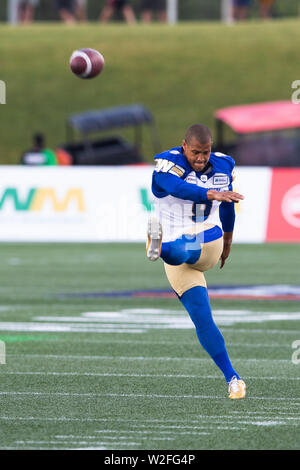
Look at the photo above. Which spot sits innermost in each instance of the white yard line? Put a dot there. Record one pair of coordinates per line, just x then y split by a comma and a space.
156, 431
69, 328
208, 419
182, 343
175, 376
140, 358
110, 438
153, 422
258, 345
139, 321
140, 395
265, 331
38, 447
76, 442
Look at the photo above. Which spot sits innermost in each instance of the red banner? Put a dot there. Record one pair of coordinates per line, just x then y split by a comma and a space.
284, 211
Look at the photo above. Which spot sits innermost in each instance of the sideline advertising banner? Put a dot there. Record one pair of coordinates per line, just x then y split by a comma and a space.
99, 204
284, 210
78, 204
252, 213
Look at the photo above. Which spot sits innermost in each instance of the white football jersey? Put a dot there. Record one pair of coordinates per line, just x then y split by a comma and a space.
181, 216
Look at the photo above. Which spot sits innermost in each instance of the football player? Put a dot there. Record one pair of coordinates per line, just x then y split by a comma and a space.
192, 230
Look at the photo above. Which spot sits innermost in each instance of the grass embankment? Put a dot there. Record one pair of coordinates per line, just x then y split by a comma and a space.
182, 73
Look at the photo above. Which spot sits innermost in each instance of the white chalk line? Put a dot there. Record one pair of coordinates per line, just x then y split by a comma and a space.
139, 321
169, 430
75, 442
259, 345
153, 422
110, 438
181, 343
141, 358
158, 318
256, 330
224, 329
129, 431
177, 343
217, 420
38, 447
139, 395
69, 328
175, 376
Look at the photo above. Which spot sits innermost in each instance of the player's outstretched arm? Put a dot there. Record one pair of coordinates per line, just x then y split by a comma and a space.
226, 196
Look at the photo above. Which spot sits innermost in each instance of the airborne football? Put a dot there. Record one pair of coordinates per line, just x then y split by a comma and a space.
86, 63
149, 227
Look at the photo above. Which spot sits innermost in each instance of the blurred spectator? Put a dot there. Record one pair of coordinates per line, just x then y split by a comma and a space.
39, 154
154, 6
122, 5
265, 8
66, 10
81, 10
26, 10
241, 9
63, 157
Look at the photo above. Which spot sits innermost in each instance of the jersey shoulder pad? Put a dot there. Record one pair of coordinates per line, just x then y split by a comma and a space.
224, 164
172, 161
222, 160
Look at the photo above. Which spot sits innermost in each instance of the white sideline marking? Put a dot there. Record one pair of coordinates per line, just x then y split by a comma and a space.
127, 431
111, 438
74, 443
155, 422
122, 358
173, 319
69, 328
204, 426
143, 358
224, 330
256, 330
140, 395
259, 345
176, 376
139, 321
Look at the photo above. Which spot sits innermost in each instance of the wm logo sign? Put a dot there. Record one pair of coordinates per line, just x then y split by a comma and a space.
37, 198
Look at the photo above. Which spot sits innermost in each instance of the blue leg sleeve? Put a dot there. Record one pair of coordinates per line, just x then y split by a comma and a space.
186, 249
197, 304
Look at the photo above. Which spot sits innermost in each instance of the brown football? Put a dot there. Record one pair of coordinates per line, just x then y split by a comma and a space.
86, 63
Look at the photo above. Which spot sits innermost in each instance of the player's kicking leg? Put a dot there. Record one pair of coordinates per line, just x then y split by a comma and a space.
190, 287
188, 282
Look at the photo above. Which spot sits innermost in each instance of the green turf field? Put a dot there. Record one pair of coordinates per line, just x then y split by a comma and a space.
181, 73
128, 373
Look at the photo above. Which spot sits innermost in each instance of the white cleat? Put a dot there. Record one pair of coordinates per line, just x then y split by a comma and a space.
236, 388
154, 239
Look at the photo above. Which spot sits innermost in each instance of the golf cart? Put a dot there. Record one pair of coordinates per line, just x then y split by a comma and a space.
265, 134
112, 150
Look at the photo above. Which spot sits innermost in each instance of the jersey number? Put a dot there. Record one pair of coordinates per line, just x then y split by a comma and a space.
201, 211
